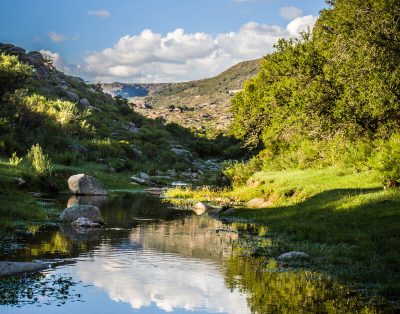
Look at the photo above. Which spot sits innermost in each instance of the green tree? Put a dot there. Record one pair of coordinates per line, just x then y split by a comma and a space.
13, 74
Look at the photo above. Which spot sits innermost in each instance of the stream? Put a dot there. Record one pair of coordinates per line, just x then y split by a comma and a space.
153, 258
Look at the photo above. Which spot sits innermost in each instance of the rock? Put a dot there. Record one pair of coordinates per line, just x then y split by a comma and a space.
82, 184
200, 208
228, 212
74, 212
71, 96
13, 268
292, 255
185, 154
258, 203
391, 184
139, 180
20, 182
215, 211
84, 102
81, 234
78, 148
85, 223
155, 191
180, 184
131, 127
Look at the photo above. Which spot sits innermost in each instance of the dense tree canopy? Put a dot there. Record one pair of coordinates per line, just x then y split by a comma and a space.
340, 81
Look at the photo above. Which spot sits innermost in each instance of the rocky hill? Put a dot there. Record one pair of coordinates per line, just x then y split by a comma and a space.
202, 105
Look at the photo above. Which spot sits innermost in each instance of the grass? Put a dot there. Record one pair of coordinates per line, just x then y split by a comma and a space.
345, 221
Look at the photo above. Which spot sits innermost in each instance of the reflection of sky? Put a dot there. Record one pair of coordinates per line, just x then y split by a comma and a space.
168, 282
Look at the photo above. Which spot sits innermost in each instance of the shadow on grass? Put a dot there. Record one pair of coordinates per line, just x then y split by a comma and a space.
358, 229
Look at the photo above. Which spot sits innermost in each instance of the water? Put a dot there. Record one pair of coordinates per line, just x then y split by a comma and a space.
152, 258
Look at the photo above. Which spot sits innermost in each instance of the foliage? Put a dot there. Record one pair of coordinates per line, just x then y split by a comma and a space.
15, 160
339, 84
41, 163
239, 172
387, 161
13, 74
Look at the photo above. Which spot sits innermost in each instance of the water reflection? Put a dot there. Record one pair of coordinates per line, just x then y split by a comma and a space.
151, 257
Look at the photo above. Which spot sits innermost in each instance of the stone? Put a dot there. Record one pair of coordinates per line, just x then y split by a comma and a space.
13, 268
292, 255
215, 211
258, 203
83, 222
74, 212
71, 96
139, 180
82, 184
84, 102
185, 154
200, 208
20, 182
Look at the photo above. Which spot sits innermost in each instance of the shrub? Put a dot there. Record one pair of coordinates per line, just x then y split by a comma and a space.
15, 160
239, 172
40, 162
387, 160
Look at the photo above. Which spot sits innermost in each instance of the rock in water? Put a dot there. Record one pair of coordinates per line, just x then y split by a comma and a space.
82, 184
200, 208
82, 211
292, 255
85, 223
12, 268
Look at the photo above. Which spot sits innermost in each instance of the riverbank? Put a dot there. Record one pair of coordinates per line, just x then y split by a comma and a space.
20, 186
346, 222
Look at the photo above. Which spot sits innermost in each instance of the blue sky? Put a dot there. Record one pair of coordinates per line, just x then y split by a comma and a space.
104, 39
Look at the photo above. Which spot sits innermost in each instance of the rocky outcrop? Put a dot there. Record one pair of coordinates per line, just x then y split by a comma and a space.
143, 179
13, 268
292, 255
82, 184
84, 102
90, 212
71, 96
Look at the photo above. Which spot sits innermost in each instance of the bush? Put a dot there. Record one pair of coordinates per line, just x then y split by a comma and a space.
239, 172
40, 162
387, 160
15, 160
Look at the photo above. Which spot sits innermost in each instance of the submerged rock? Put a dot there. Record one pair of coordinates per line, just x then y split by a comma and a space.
292, 255
83, 184
90, 212
12, 268
85, 223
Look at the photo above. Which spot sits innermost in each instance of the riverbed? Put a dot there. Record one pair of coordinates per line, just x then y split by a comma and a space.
151, 257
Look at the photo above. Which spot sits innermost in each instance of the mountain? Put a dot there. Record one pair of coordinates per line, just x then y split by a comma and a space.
202, 105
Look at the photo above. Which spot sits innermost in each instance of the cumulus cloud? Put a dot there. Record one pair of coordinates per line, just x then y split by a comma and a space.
290, 13
100, 13
301, 24
58, 37
180, 56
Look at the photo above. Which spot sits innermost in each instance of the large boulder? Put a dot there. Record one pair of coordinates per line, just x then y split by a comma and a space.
90, 212
82, 184
71, 96
200, 208
83, 222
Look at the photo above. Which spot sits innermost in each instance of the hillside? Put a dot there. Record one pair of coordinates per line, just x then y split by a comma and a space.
201, 105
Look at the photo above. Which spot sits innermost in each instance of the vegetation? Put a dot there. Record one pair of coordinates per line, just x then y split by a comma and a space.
334, 92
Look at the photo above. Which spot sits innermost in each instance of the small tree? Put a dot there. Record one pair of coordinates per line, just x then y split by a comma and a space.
40, 162
13, 74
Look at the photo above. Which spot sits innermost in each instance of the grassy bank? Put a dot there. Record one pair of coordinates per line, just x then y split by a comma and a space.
347, 223
18, 206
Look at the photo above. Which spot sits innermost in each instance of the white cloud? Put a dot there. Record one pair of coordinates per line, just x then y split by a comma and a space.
290, 13
100, 13
301, 24
58, 38
179, 56
60, 63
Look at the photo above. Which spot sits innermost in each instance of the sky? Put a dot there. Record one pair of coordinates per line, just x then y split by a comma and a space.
147, 41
